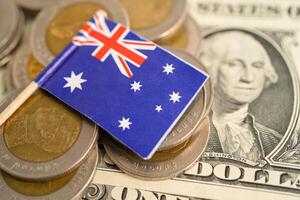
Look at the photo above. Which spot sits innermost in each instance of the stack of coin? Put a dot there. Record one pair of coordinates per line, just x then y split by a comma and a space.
181, 148
47, 150
51, 31
42, 149
11, 27
165, 22
23, 68
55, 26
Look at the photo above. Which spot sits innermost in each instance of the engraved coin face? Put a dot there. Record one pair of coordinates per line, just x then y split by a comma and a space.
155, 19
159, 169
66, 24
188, 37
44, 139
55, 26
42, 129
67, 187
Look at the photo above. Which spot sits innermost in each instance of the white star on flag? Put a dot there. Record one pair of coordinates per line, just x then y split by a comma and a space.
74, 81
175, 97
158, 108
168, 68
125, 123
136, 86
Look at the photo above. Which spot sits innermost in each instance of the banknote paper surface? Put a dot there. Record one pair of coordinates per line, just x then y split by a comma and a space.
252, 51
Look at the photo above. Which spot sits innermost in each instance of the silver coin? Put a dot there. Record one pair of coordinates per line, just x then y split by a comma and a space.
8, 21
70, 160
167, 26
34, 4
161, 169
4, 54
71, 190
38, 40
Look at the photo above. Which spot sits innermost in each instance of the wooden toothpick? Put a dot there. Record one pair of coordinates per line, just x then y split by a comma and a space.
18, 101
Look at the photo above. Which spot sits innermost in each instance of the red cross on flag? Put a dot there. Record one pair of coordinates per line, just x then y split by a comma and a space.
96, 33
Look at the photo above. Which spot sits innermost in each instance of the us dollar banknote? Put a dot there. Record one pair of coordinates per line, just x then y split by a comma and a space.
252, 52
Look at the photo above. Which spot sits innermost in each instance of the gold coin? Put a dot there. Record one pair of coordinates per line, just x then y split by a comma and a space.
33, 68
40, 188
178, 40
147, 13
66, 24
42, 129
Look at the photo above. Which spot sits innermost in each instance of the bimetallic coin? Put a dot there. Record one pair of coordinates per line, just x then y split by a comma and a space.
159, 169
71, 186
208, 88
155, 19
55, 26
44, 139
25, 67
187, 123
188, 37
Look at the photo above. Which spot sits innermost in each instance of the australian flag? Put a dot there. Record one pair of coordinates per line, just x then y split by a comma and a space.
132, 88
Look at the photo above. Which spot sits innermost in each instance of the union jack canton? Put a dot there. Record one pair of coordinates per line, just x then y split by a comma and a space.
132, 88
113, 43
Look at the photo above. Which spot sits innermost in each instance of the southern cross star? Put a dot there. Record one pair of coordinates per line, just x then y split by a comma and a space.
74, 81
175, 97
136, 86
158, 108
125, 123
168, 69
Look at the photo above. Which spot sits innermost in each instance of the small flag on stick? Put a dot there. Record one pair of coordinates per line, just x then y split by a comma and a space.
132, 88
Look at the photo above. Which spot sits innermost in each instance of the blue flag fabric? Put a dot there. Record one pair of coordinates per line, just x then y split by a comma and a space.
132, 88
